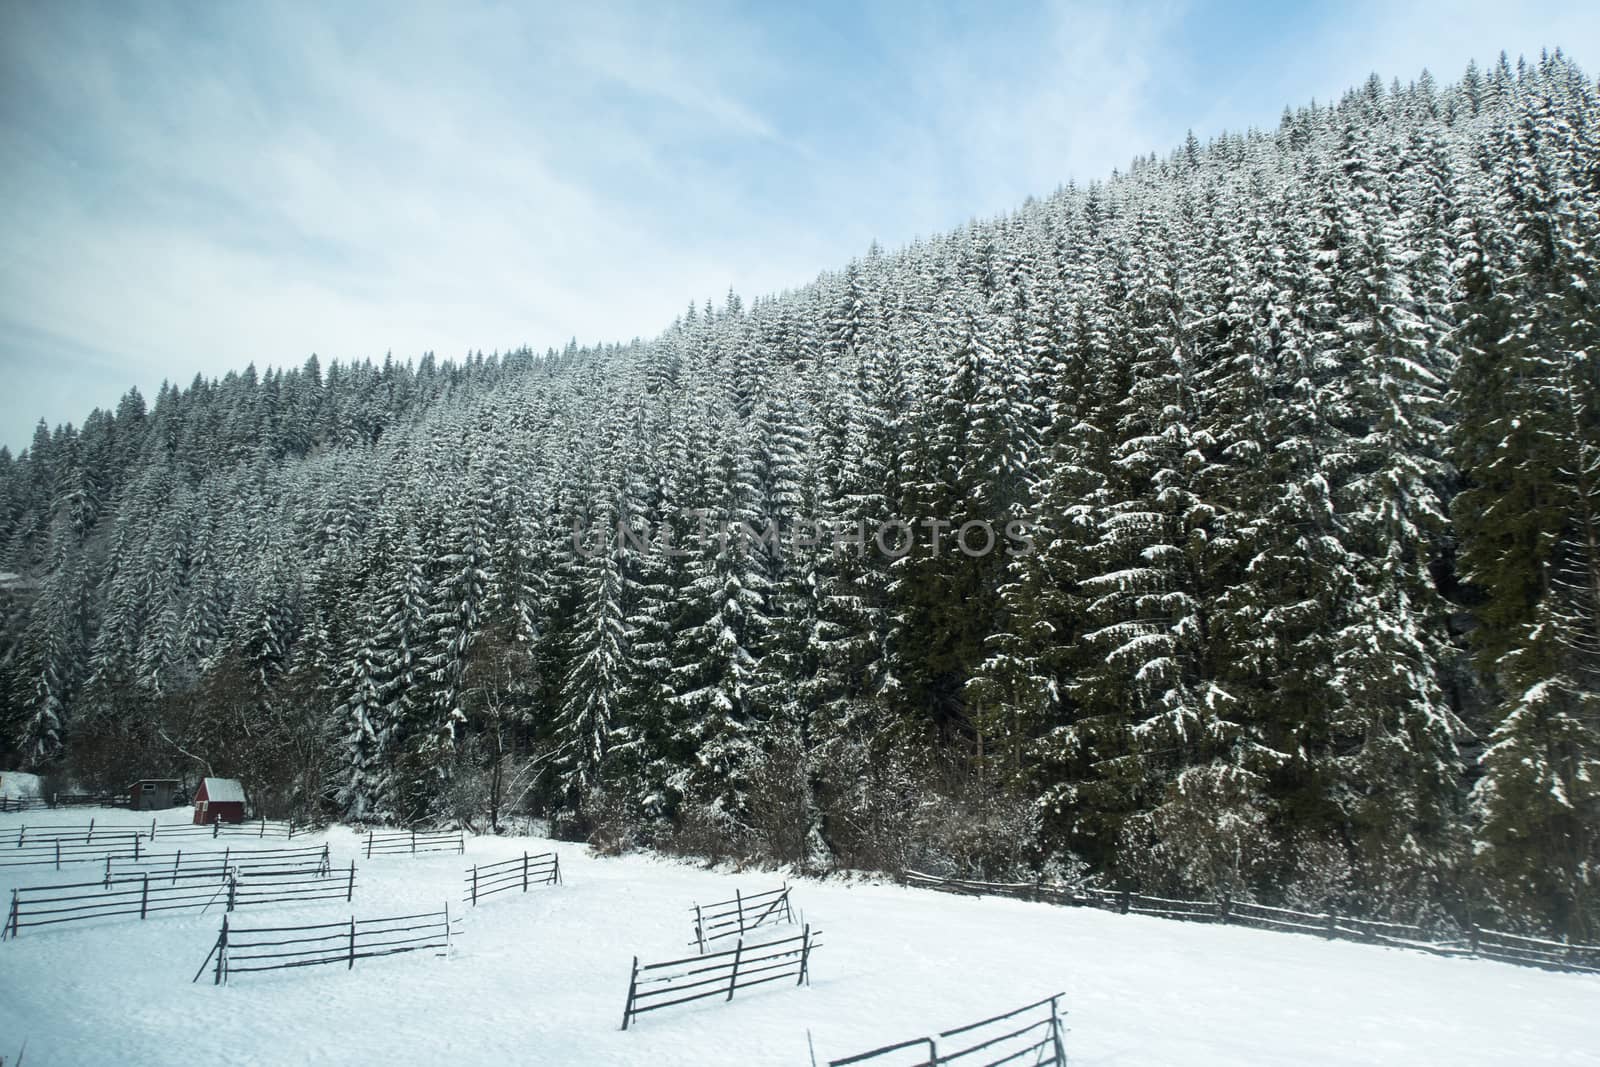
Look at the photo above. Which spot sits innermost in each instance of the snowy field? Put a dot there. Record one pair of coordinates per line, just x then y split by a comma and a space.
541, 979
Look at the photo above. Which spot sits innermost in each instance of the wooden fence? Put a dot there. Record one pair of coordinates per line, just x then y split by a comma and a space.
56, 852
1001, 1039
87, 833
737, 917
718, 974
79, 833
294, 887
50, 905
276, 948
219, 862
257, 828
1476, 942
487, 879
63, 800
89, 800
410, 842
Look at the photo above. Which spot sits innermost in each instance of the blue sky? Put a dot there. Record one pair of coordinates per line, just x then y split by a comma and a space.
192, 187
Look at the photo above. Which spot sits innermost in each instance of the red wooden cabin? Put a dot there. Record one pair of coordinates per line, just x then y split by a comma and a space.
218, 798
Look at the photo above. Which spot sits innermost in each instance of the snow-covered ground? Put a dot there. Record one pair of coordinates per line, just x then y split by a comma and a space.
541, 978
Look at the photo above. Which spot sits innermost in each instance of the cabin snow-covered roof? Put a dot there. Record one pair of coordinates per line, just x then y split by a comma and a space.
16, 784
223, 790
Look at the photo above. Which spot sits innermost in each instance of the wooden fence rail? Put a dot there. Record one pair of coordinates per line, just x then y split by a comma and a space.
737, 917
487, 879
1478, 942
718, 974
22, 803
276, 948
410, 842
50, 905
1038, 1042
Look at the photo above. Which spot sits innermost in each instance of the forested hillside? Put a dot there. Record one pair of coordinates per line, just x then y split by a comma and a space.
1304, 421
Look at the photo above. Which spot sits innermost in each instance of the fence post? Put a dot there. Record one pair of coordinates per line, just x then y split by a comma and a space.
352, 962
1123, 902
558, 868
1472, 937
11, 917
633, 985
144, 897
177, 860
22, 835
1055, 1035
222, 953
805, 957
58, 854
788, 912
152, 829
216, 826
369, 844
350, 888
933, 1053
233, 889
325, 868
738, 900
136, 848
1330, 924
447, 923
700, 929
475, 884
413, 842
524, 870
733, 978
263, 833
1222, 909
91, 832
108, 872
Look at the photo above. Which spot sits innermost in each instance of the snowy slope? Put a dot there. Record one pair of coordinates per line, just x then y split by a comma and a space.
540, 978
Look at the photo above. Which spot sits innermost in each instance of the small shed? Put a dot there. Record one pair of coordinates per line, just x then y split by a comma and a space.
218, 799
154, 794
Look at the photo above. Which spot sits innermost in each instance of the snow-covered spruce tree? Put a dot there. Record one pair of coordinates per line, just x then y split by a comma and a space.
1399, 769
461, 579
1527, 391
594, 692
54, 650
715, 649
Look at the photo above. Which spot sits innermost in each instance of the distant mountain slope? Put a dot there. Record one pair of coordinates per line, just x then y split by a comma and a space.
1305, 422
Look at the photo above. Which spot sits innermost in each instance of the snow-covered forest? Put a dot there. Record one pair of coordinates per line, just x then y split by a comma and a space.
1304, 420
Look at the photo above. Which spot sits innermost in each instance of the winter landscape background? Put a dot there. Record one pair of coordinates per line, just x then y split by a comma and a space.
1304, 421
